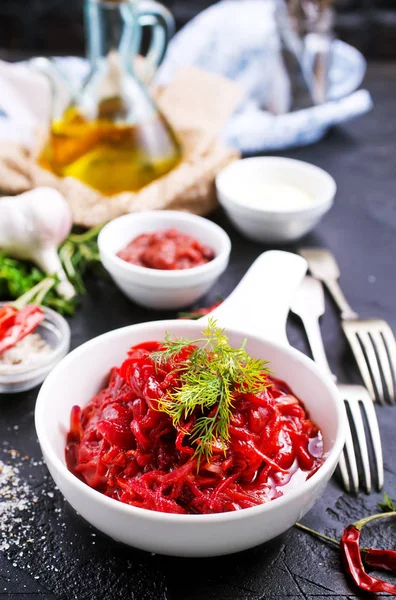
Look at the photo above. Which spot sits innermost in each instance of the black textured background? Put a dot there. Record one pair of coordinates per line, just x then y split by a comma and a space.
55, 26
64, 558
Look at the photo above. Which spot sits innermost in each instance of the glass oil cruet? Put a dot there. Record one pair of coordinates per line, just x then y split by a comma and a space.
111, 136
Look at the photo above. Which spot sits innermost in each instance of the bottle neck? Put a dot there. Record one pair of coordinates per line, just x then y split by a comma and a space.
110, 27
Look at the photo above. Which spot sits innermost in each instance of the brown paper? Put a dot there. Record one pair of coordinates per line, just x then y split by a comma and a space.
197, 104
199, 99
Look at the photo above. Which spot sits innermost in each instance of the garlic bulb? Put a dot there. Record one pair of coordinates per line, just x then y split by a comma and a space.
33, 226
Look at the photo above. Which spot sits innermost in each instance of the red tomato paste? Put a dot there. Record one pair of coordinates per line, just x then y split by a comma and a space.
123, 446
166, 250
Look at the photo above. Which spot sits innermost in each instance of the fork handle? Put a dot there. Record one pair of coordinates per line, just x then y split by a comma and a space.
312, 330
347, 314
324, 267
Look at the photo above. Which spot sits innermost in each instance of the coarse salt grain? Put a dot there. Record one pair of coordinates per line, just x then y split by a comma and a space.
29, 351
15, 497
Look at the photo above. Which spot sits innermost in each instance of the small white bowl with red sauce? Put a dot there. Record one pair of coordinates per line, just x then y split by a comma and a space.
255, 312
172, 286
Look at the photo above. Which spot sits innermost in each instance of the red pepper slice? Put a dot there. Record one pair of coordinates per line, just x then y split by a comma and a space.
18, 326
7, 316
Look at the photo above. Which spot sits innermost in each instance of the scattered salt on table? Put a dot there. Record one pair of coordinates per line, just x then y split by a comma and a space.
15, 497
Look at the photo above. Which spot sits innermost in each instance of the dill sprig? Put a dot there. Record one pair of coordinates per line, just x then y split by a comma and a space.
209, 379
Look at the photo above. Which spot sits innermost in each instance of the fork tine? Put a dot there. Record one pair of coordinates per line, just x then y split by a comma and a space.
390, 344
373, 428
344, 472
361, 441
384, 362
372, 363
360, 359
349, 452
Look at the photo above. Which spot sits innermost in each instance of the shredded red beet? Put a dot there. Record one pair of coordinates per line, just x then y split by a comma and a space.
123, 446
166, 250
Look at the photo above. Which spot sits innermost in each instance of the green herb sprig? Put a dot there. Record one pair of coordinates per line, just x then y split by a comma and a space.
387, 505
209, 379
78, 253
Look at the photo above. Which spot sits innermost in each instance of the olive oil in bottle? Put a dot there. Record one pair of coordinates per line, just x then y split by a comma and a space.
112, 137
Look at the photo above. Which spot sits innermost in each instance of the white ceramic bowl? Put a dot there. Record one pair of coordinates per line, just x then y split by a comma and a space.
154, 288
83, 372
274, 226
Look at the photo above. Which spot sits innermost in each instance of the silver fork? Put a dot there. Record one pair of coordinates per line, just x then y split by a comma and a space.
309, 305
372, 340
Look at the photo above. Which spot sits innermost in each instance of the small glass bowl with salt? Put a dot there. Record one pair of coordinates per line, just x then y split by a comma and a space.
26, 365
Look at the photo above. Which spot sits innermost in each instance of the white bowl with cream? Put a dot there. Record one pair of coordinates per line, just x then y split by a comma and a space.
274, 200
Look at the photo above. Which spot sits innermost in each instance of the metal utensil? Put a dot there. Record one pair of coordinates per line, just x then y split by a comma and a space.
298, 90
372, 340
309, 305
305, 30
317, 61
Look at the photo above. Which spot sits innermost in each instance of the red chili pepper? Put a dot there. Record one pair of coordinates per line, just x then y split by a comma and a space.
352, 558
17, 324
380, 559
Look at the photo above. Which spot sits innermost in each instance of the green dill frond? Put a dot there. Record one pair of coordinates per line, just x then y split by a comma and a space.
209, 380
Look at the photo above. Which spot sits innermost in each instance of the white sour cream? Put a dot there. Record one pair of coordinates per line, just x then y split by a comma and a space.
278, 197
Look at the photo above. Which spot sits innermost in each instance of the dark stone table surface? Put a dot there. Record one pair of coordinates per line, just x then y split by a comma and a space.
57, 555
